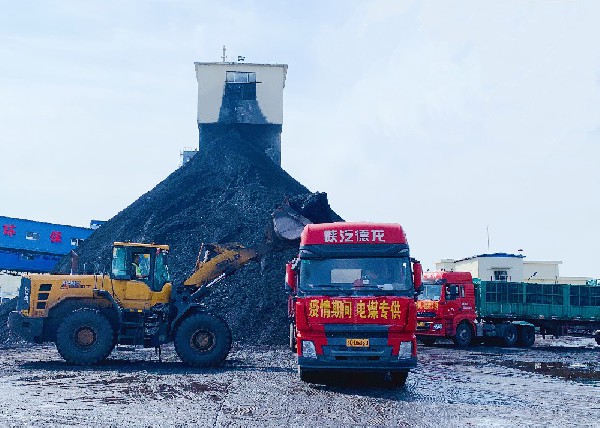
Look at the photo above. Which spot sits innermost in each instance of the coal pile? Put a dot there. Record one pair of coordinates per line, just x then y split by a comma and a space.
226, 193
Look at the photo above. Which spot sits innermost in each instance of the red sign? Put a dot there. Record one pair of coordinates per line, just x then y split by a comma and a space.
367, 310
353, 233
10, 230
56, 237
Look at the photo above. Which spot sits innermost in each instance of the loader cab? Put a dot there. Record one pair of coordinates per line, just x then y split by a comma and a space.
143, 263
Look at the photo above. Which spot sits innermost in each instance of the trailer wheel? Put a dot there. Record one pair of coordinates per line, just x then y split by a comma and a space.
526, 336
398, 378
293, 338
509, 338
463, 335
203, 340
85, 337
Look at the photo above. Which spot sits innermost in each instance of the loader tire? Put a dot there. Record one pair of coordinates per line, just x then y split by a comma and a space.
85, 337
203, 340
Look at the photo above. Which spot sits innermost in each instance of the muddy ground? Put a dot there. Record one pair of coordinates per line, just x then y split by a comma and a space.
556, 383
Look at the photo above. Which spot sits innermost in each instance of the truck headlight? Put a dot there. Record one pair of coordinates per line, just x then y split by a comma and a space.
437, 326
405, 350
308, 349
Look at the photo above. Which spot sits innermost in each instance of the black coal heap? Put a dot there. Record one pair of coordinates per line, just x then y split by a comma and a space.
226, 193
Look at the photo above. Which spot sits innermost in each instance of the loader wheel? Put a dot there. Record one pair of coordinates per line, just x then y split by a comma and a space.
526, 337
203, 340
85, 337
463, 335
509, 338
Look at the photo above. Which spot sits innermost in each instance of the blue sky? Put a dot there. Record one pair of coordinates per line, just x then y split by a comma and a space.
446, 116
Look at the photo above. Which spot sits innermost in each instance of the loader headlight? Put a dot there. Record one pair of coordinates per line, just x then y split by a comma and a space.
437, 326
308, 349
405, 350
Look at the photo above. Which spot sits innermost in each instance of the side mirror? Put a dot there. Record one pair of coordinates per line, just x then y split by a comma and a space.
291, 277
417, 275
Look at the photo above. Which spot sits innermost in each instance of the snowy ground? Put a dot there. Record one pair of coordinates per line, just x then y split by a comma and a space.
556, 383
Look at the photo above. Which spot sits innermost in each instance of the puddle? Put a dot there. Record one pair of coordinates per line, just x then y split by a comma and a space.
572, 371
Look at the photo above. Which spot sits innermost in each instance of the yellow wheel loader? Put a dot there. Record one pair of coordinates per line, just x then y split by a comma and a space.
86, 316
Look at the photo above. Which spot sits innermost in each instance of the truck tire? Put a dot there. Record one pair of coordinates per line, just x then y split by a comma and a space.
526, 337
85, 337
427, 341
203, 340
398, 378
509, 338
293, 338
463, 335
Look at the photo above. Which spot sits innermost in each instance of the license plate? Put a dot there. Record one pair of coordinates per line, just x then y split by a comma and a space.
357, 343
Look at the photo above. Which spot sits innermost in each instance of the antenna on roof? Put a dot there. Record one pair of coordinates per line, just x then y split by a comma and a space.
487, 228
224, 57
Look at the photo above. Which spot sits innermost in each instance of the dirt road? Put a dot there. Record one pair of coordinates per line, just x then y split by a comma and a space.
556, 383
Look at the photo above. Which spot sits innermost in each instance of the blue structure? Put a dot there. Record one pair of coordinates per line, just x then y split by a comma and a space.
33, 246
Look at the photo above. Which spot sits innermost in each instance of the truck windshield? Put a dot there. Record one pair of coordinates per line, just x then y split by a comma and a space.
356, 276
430, 291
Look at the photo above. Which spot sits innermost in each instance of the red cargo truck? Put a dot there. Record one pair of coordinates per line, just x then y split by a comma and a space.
352, 300
452, 305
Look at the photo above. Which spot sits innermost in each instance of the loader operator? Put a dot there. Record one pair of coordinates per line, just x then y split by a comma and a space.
135, 267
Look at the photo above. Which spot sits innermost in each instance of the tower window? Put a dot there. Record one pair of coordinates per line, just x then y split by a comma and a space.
240, 77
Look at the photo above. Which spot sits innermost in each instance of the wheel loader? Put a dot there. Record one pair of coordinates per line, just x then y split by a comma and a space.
136, 304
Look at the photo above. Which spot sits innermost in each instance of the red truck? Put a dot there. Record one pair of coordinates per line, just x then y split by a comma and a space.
455, 306
351, 300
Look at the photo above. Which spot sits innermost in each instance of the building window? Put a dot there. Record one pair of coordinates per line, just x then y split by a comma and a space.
501, 275
32, 236
240, 77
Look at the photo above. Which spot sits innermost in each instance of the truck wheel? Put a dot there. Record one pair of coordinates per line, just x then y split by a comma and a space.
398, 378
509, 338
203, 340
293, 338
427, 341
526, 337
308, 376
85, 337
463, 335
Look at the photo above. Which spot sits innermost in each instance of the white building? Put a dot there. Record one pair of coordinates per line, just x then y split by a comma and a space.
509, 267
244, 97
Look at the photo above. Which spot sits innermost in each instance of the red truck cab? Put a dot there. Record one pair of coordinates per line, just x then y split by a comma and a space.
446, 308
352, 300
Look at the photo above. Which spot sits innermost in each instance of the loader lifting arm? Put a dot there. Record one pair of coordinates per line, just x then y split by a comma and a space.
216, 262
